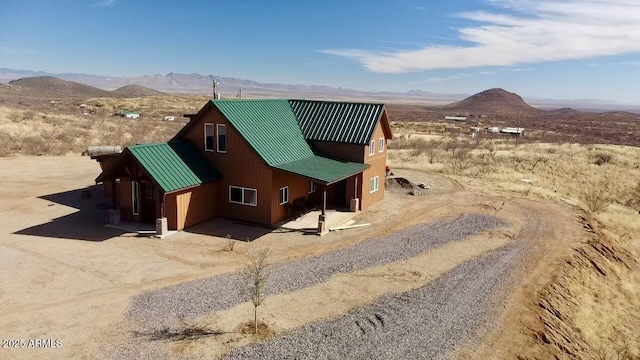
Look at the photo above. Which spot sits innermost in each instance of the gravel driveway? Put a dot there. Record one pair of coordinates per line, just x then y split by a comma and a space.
426, 323
158, 308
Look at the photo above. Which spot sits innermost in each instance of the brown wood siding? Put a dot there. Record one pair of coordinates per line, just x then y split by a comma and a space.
377, 162
239, 166
298, 187
191, 206
348, 152
126, 210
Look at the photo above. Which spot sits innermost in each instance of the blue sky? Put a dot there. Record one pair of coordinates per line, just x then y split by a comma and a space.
566, 49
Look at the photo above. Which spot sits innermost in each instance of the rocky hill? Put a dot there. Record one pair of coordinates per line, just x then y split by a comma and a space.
52, 86
493, 100
136, 91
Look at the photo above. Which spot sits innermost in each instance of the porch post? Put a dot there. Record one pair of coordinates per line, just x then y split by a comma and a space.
324, 199
322, 220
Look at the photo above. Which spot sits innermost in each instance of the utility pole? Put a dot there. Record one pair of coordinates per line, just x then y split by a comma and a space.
518, 128
215, 90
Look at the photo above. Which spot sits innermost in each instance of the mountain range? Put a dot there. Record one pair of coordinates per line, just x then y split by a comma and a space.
194, 83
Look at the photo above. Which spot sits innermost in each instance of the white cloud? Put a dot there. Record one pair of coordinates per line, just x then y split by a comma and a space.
449, 78
534, 31
105, 3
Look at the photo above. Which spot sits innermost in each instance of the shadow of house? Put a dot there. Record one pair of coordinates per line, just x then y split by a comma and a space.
86, 224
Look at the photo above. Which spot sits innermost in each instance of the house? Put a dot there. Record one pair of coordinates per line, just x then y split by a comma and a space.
455, 118
128, 114
257, 161
513, 131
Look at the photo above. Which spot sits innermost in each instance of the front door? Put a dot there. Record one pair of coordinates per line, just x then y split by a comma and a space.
148, 200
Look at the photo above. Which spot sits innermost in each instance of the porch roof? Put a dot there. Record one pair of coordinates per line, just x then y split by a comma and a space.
172, 166
322, 169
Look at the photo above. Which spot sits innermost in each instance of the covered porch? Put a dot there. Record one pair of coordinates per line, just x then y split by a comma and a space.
153, 183
338, 187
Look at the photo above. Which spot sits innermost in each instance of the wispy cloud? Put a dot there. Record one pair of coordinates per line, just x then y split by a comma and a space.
535, 31
105, 3
449, 78
421, 8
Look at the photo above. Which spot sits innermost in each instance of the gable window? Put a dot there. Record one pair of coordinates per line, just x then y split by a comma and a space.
222, 137
374, 184
208, 137
381, 145
372, 147
284, 195
243, 196
135, 197
312, 187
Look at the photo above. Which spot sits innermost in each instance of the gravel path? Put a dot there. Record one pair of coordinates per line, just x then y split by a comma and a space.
158, 308
426, 323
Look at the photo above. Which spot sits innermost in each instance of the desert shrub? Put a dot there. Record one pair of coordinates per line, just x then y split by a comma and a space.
633, 199
6, 141
28, 115
14, 116
460, 162
595, 198
601, 158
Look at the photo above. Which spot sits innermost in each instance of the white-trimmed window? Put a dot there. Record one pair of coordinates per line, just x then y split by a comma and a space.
381, 145
209, 134
284, 195
312, 187
243, 196
135, 197
221, 129
372, 147
374, 184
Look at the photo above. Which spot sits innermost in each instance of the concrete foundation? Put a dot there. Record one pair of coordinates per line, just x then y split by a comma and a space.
322, 225
114, 217
162, 228
354, 206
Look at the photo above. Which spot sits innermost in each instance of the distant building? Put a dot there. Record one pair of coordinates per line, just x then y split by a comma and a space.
513, 131
128, 114
493, 129
169, 118
455, 118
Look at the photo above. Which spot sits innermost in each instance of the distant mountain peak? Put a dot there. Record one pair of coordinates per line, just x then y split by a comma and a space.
492, 100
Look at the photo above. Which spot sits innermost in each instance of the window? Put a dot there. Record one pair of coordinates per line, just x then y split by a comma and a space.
135, 197
381, 145
284, 195
243, 196
372, 147
373, 185
312, 187
222, 137
208, 137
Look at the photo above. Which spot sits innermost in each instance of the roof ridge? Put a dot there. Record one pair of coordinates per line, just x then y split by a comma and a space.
247, 100
148, 144
339, 102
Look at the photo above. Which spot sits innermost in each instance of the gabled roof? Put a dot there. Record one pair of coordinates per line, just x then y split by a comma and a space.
269, 126
172, 166
343, 122
323, 169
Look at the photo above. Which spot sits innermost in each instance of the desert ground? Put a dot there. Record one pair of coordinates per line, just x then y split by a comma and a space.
521, 248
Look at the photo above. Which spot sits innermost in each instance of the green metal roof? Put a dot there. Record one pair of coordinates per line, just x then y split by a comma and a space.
175, 165
269, 126
322, 169
352, 123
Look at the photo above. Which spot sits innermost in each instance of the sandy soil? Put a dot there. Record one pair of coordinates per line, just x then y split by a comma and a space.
64, 276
